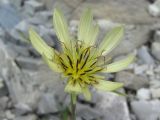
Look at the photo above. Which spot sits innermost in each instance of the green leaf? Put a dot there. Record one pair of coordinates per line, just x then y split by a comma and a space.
111, 40
119, 65
40, 45
108, 85
61, 27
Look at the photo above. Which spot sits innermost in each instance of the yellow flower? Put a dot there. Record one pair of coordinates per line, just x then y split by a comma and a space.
80, 60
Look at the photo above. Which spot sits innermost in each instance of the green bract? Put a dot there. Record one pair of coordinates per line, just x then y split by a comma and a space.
80, 60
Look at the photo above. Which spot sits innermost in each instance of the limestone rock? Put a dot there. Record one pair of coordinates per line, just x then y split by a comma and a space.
146, 110
132, 81
156, 50
109, 104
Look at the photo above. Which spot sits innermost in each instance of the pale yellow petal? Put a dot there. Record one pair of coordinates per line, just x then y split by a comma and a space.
92, 37
111, 40
108, 85
61, 28
51, 64
73, 87
85, 28
40, 45
119, 65
86, 93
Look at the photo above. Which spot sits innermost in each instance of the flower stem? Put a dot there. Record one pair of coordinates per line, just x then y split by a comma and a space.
73, 106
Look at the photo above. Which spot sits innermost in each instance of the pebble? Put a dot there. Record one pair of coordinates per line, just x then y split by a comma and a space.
28, 63
47, 104
9, 114
154, 9
154, 83
144, 94
110, 103
155, 48
155, 93
146, 110
144, 54
157, 36
132, 81
3, 102
140, 69
27, 117
32, 6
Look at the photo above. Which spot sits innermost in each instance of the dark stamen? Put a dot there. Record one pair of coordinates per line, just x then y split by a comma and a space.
82, 73
77, 66
70, 62
88, 70
69, 74
85, 62
93, 63
80, 58
63, 65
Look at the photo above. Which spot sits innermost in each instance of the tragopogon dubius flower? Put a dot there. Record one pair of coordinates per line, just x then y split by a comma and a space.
80, 60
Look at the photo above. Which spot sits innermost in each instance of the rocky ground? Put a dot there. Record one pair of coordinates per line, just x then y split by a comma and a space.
30, 91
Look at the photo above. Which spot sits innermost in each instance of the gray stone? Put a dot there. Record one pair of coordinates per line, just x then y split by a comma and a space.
51, 117
2, 33
155, 84
144, 54
20, 31
67, 10
146, 110
124, 11
155, 93
156, 50
28, 63
154, 9
140, 69
74, 3
2, 114
150, 70
17, 3
5, 2
157, 36
48, 35
41, 18
44, 15
144, 94
49, 4
27, 117
22, 108
3, 102
132, 81
9, 114
22, 86
133, 38
17, 50
88, 113
1, 83
112, 106
9, 16
32, 6
157, 69
47, 104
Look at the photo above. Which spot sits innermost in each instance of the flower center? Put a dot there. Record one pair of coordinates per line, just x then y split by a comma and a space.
80, 65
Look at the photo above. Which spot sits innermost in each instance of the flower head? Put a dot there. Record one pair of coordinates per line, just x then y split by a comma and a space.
80, 60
